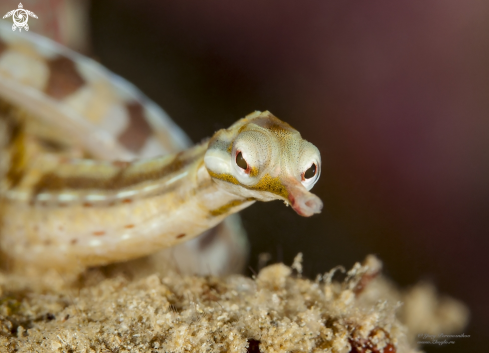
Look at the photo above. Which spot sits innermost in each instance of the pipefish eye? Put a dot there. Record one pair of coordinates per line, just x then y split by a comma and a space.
311, 172
310, 175
309, 166
241, 162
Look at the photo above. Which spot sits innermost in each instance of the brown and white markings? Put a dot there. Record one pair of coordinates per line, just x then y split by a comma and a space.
67, 213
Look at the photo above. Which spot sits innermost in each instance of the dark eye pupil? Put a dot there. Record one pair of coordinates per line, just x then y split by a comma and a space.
240, 161
310, 172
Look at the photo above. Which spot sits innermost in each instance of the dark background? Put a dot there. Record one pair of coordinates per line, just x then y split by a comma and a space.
395, 94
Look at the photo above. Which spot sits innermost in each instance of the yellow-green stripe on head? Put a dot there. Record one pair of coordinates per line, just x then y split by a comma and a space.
261, 157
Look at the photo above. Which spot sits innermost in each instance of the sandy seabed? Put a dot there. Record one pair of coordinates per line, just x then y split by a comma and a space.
277, 311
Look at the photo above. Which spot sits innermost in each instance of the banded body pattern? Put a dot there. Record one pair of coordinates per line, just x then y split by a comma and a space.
102, 212
57, 211
61, 210
109, 117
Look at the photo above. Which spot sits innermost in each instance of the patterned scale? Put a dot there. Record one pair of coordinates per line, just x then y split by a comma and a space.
54, 100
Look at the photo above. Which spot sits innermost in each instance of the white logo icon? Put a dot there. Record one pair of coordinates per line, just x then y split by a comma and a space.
20, 17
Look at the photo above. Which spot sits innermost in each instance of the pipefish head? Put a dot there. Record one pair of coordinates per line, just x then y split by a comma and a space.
264, 158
